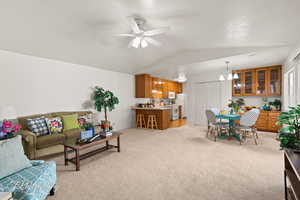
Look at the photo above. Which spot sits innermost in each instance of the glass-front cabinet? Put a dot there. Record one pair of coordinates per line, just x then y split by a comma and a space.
261, 82
237, 85
249, 82
264, 81
274, 86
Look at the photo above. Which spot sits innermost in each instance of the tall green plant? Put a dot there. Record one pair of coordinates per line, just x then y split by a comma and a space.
104, 100
290, 133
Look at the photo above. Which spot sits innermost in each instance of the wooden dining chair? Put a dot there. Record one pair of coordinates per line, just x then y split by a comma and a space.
247, 125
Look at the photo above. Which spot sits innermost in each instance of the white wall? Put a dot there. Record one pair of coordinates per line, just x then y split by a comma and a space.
36, 85
288, 65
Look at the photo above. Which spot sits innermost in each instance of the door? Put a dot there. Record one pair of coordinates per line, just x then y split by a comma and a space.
237, 85
205, 96
249, 83
261, 82
274, 85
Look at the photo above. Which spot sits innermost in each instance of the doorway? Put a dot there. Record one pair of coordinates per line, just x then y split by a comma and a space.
206, 95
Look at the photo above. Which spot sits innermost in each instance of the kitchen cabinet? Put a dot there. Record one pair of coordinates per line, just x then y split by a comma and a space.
237, 85
267, 121
249, 83
274, 85
143, 86
264, 81
157, 88
153, 87
261, 82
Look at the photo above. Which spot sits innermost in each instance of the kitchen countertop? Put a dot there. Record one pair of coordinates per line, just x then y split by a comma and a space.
156, 108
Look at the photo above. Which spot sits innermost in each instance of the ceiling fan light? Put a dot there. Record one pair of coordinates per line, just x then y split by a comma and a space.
235, 76
221, 78
144, 43
136, 42
229, 77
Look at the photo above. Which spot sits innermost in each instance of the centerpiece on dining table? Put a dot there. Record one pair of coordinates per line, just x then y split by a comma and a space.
235, 105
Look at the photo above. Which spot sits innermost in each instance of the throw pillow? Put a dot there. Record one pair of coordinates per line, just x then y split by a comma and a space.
12, 156
38, 126
54, 125
84, 119
70, 122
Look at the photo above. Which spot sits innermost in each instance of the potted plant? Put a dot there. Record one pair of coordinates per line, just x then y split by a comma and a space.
104, 100
289, 135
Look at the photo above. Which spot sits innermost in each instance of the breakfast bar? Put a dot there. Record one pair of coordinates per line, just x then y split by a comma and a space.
162, 115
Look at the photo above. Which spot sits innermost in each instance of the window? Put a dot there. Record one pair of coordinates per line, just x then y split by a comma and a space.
290, 86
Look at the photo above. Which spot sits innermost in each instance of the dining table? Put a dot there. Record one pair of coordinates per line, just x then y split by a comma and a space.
231, 131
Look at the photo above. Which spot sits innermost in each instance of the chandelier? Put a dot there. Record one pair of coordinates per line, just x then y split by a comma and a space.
229, 75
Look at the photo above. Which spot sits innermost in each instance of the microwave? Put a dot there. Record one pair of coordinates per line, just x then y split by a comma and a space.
171, 95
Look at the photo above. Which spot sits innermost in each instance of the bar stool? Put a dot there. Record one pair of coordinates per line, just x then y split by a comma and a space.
140, 121
152, 122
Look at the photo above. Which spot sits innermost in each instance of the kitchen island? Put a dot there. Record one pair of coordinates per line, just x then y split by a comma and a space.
163, 115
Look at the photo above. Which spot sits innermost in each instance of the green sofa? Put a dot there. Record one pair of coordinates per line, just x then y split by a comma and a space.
33, 143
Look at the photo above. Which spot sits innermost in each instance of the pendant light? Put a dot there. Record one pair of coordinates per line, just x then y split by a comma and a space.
230, 76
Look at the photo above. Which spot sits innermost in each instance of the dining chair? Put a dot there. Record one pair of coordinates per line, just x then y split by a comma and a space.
247, 125
213, 126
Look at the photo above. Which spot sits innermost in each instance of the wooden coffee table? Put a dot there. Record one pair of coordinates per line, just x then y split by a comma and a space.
71, 144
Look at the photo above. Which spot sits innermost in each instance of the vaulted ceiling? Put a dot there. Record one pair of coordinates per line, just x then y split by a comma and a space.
83, 32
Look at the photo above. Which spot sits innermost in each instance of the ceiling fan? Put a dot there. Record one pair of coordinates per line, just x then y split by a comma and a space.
141, 37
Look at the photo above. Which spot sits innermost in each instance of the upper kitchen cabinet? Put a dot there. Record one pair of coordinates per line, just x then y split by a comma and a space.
237, 84
264, 81
152, 87
249, 83
274, 86
143, 86
157, 88
261, 82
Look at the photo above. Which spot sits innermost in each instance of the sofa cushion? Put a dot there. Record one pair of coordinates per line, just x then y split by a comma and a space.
73, 133
70, 121
54, 125
38, 126
31, 183
12, 158
49, 140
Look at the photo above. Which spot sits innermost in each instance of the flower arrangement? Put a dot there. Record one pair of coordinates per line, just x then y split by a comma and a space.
7, 129
236, 105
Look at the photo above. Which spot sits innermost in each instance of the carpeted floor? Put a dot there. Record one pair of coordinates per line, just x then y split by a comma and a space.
176, 164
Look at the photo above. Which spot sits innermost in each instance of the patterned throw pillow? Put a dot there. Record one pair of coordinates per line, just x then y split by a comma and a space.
54, 125
38, 126
84, 119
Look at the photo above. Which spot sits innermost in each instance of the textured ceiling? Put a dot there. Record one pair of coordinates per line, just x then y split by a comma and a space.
83, 32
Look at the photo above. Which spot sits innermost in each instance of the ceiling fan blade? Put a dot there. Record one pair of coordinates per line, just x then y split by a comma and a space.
126, 35
156, 31
135, 28
130, 43
152, 41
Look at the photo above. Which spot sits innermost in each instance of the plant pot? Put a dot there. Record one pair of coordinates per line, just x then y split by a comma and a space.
105, 124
